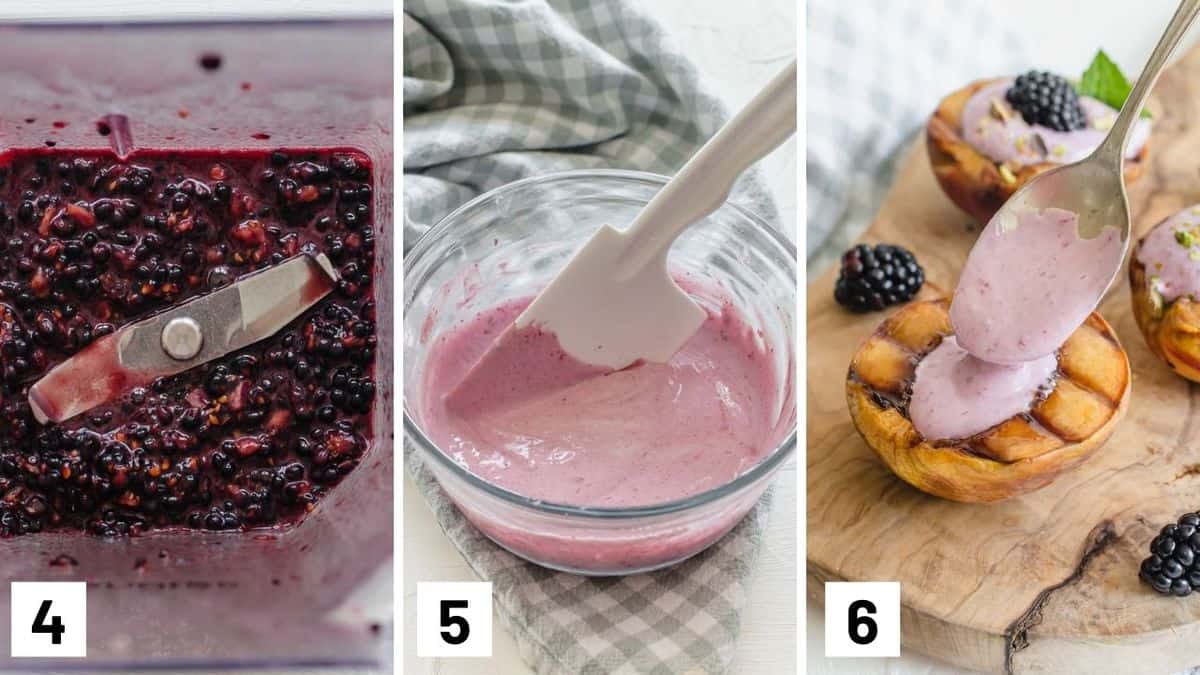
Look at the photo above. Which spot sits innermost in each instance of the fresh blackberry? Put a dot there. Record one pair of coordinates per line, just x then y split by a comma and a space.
874, 277
1173, 567
1047, 99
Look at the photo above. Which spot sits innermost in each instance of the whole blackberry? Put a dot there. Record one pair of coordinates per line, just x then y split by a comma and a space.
1173, 567
873, 278
1047, 99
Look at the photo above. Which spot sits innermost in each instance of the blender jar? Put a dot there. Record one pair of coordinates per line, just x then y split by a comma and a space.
317, 592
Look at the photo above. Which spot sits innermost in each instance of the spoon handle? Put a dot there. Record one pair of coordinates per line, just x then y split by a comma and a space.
1113, 146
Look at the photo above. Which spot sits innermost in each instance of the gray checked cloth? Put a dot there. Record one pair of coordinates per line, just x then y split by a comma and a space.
876, 70
497, 91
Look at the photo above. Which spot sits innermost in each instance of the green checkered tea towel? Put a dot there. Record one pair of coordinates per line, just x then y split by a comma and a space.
498, 91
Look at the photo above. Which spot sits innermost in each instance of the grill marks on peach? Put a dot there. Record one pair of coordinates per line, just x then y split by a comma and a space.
1093, 377
884, 365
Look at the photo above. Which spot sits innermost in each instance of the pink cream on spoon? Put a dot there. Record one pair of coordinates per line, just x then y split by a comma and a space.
1029, 282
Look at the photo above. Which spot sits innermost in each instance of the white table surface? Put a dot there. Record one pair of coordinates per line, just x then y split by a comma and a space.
738, 52
1064, 36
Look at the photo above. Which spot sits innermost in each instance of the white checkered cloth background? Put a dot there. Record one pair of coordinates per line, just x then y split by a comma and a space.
497, 91
876, 70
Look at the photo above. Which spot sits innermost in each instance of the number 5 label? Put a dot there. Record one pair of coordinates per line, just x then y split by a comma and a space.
454, 618
862, 618
49, 619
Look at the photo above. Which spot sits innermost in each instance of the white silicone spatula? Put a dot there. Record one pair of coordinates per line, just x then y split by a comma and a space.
615, 302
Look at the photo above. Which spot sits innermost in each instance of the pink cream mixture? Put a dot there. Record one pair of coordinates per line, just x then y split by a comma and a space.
651, 433
1028, 283
1171, 255
1006, 137
956, 395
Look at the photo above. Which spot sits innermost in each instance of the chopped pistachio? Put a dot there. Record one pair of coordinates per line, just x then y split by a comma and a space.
1154, 295
998, 110
1184, 238
1019, 144
1039, 144
1060, 150
1007, 175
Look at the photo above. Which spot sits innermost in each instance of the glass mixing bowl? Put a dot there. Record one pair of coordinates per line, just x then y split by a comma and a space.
509, 243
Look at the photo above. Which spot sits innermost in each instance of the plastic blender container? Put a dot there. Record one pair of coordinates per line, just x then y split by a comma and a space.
313, 594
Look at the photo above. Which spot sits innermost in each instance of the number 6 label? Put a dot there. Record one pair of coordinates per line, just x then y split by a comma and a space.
454, 618
49, 619
862, 619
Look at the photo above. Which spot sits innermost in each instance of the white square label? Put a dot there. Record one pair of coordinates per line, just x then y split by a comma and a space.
862, 618
49, 619
454, 618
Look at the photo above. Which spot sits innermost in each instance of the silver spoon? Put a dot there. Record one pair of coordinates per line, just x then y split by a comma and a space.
1094, 190
1089, 187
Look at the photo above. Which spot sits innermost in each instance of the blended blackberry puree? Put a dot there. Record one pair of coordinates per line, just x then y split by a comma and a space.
90, 243
140, 169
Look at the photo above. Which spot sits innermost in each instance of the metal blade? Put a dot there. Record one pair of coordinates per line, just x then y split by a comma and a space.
254, 307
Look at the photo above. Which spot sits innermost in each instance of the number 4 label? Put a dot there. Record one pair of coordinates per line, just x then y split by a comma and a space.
454, 618
862, 618
49, 619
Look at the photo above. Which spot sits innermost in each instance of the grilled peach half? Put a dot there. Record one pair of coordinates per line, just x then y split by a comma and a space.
1171, 328
1025, 452
972, 180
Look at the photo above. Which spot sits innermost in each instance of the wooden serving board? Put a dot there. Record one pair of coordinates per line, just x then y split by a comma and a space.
1046, 582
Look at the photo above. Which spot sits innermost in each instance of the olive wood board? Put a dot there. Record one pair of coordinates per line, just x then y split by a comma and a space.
1045, 582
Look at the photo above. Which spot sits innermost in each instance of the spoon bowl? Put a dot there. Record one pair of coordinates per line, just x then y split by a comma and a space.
1094, 187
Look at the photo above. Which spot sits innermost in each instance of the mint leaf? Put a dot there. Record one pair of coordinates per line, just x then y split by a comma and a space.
1104, 81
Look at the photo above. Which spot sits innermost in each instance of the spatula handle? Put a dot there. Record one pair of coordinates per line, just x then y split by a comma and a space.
704, 182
